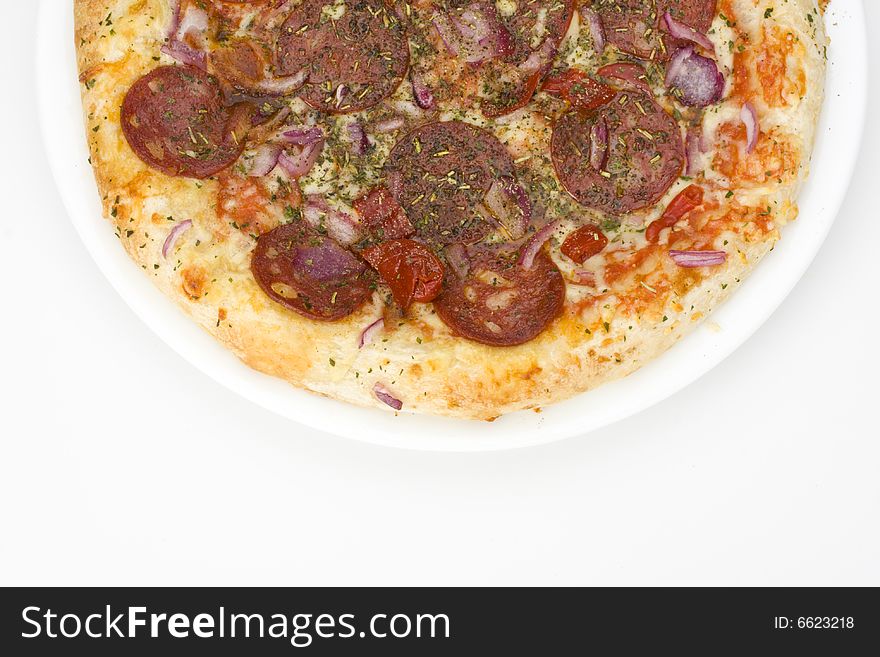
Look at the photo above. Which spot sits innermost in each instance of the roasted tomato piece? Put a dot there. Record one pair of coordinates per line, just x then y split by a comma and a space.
579, 89
383, 215
686, 200
410, 269
584, 243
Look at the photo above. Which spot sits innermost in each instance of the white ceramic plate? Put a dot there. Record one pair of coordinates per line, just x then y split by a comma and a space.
835, 155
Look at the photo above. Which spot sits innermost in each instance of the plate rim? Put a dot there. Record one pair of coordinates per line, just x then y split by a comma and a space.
424, 432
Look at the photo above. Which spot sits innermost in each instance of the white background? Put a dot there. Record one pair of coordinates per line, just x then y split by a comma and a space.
122, 464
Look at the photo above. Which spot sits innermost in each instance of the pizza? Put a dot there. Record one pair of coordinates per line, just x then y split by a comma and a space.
455, 207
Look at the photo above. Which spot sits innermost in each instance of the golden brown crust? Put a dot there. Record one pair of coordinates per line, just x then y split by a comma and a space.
644, 306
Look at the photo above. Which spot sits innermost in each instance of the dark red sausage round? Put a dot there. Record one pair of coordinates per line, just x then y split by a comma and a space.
643, 157
353, 62
498, 302
175, 120
636, 26
440, 173
310, 273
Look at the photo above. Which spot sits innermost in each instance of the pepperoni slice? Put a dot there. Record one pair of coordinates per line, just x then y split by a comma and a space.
499, 303
175, 121
634, 26
440, 173
643, 155
310, 273
410, 269
356, 53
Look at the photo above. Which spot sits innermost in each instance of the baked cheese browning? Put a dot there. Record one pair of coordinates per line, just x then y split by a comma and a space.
316, 230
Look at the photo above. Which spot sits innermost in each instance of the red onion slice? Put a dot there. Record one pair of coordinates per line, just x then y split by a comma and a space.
599, 144
458, 258
691, 259
175, 233
582, 277
472, 24
389, 125
476, 34
192, 23
408, 108
499, 40
174, 5
597, 30
516, 192
694, 151
299, 165
485, 36
357, 138
696, 79
270, 115
676, 62
384, 395
681, 31
749, 116
509, 204
446, 30
421, 91
370, 333
539, 58
282, 86
339, 225
531, 249
341, 93
261, 160
302, 135
186, 54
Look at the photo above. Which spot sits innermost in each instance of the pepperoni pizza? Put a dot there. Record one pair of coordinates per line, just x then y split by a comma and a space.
459, 207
